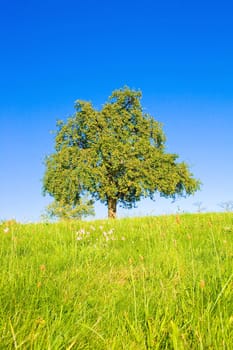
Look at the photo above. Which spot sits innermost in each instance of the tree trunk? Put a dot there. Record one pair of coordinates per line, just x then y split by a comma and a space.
112, 208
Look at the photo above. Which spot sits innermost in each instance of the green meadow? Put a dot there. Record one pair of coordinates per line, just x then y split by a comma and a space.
137, 283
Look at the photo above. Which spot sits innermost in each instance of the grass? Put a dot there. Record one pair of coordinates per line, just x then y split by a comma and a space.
144, 283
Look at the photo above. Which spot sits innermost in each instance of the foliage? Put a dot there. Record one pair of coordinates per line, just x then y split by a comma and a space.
227, 206
117, 154
143, 283
199, 206
65, 211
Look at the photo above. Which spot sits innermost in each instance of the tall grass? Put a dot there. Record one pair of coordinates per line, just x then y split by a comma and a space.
144, 283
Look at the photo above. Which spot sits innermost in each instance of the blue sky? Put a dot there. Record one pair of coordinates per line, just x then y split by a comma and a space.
178, 53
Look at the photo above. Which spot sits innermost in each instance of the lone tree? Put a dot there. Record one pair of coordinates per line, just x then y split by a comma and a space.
116, 154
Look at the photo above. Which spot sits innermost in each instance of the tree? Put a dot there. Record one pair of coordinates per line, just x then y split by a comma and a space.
64, 211
227, 206
199, 206
117, 154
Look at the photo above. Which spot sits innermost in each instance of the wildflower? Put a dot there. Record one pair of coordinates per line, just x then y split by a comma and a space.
202, 284
40, 321
178, 221
123, 238
42, 268
130, 261
6, 229
81, 234
107, 235
81, 231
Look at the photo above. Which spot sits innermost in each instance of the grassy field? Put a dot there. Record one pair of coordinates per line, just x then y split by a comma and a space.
143, 283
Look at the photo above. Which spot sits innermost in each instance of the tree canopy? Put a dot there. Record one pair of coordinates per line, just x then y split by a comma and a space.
64, 211
116, 154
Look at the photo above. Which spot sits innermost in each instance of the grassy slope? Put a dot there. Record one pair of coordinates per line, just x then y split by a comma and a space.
144, 283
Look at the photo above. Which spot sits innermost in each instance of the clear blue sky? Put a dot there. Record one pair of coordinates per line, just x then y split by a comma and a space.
179, 53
